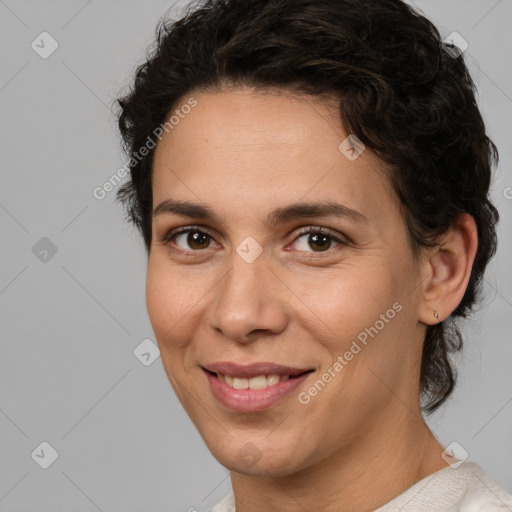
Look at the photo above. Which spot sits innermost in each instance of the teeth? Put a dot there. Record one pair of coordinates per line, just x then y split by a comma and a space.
259, 382
240, 383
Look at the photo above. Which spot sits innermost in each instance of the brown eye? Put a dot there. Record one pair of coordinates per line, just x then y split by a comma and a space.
189, 239
197, 239
317, 240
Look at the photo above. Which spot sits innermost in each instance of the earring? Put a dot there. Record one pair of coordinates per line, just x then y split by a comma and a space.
436, 316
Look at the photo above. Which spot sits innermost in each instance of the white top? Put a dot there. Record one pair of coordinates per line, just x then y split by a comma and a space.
464, 488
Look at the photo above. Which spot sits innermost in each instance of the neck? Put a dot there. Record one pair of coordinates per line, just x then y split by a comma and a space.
363, 476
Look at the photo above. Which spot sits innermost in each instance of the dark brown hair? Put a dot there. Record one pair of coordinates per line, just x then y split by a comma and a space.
403, 92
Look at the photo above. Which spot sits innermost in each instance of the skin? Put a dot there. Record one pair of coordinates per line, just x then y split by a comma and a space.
362, 440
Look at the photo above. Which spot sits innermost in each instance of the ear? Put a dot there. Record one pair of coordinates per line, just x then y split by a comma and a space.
448, 269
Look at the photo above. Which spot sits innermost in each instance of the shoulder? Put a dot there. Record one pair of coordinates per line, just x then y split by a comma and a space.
464, 488
227, 504
483, 493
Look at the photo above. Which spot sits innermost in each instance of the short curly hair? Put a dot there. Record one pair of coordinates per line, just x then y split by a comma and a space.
403, 92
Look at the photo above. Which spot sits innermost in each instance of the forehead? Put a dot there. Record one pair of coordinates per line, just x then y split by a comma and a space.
245, 145
245, 119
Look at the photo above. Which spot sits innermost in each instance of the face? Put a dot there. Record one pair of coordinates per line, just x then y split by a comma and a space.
239, 275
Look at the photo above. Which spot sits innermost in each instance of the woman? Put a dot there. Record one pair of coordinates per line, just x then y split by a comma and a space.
316, 214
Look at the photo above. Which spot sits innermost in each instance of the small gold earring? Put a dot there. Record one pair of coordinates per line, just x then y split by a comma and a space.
436, 316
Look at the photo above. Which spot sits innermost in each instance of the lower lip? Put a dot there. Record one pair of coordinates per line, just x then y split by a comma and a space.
252, 400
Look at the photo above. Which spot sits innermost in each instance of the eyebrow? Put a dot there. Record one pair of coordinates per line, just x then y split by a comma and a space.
279, 215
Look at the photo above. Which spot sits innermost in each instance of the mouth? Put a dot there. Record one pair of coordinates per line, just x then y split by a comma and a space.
261, 381
252, 388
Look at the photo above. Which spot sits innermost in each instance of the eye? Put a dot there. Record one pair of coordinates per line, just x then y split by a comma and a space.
195, 239
191, 238
319, 239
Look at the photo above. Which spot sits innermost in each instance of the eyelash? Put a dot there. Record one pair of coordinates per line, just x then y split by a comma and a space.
313, 230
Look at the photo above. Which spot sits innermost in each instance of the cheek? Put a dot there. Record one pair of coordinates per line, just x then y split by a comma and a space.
362, 317
175, 302
350, 299
166, 303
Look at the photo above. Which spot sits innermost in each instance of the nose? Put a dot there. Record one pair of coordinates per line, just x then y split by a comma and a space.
247, 303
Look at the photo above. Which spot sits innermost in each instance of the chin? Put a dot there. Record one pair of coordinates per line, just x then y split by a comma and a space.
249, 459
262, 467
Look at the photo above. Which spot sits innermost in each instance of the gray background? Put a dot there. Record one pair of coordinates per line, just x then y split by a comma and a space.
69, 325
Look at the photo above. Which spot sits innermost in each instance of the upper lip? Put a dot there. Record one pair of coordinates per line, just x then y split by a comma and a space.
253, 370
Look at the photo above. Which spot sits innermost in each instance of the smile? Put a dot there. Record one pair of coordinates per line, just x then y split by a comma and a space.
253, 394
259, 382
